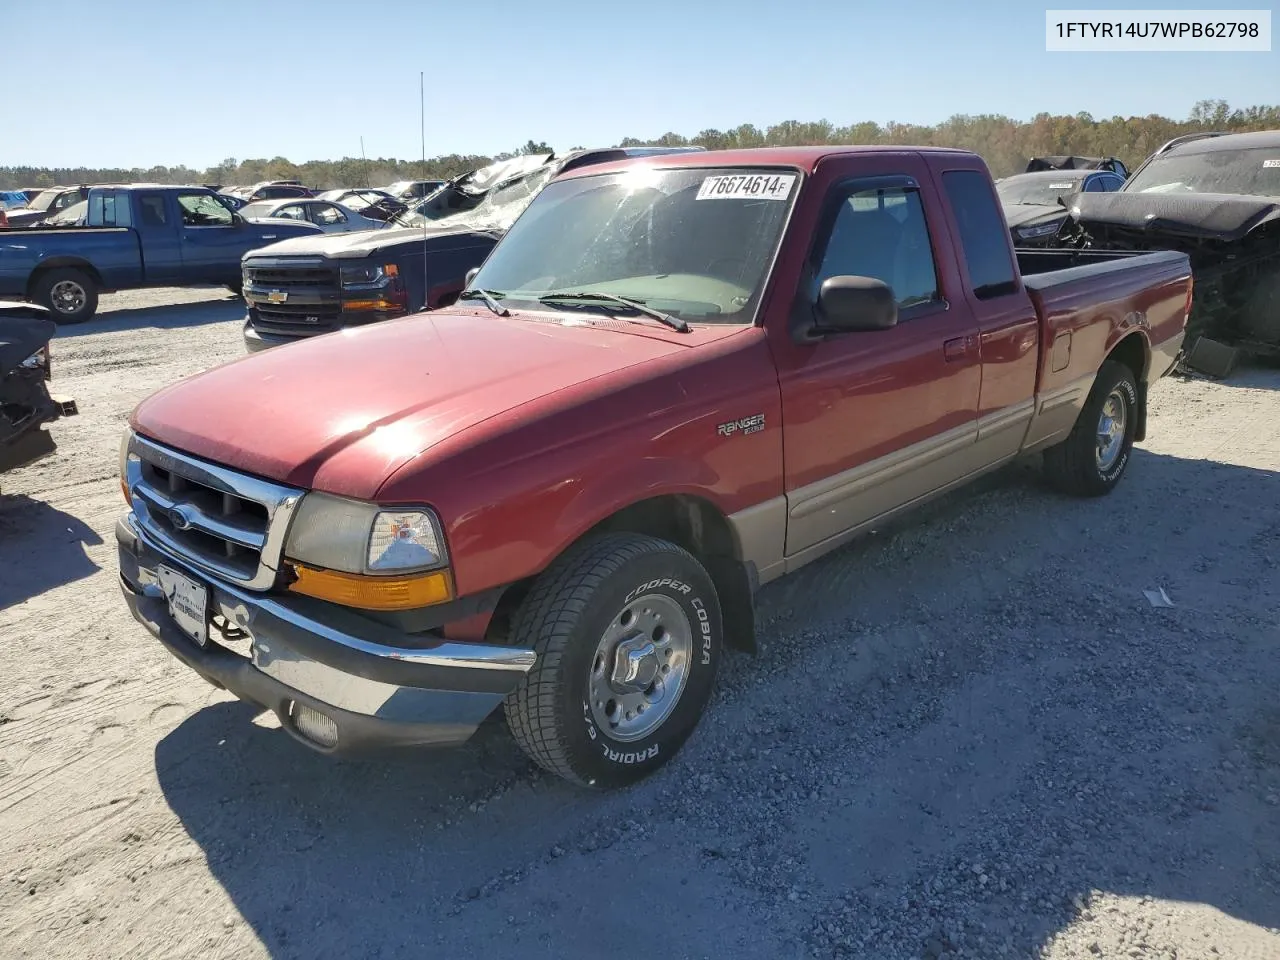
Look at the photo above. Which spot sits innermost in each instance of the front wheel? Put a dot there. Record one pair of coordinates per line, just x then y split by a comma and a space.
1093, 457
627, 630
69, 294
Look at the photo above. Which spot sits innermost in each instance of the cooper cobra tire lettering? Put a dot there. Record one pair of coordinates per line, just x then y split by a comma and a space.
676, 585
704, 622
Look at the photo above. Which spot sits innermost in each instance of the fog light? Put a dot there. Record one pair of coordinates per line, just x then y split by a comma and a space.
314, 725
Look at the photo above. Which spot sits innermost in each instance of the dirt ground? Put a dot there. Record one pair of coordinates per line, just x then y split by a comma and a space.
971, 735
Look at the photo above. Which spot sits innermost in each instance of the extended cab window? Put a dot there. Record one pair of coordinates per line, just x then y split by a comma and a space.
983, 234
110, 209
881, 233
201, 210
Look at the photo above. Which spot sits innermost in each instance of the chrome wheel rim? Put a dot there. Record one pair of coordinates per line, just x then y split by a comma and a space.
1111, 428
640, 667
67, 296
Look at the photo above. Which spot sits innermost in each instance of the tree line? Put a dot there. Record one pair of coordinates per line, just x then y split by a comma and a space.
1004, 143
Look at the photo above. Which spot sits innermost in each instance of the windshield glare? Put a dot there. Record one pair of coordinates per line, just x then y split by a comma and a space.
259, 208
694, 243
1254, 172
1044, 192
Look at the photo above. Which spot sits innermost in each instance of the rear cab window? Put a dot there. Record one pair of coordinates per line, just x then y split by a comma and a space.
984, 237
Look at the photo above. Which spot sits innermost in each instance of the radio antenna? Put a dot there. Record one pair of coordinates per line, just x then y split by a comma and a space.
422, 123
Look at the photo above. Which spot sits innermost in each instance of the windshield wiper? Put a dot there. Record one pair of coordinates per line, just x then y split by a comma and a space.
675, 323
490, 298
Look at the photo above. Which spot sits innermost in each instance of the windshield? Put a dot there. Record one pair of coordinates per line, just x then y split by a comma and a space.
694, 243
44, 199
1254, 172
1040, 191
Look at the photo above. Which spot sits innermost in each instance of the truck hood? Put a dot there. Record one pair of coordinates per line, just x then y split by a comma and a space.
342, 412
1025, 214
353, 245
1214, 216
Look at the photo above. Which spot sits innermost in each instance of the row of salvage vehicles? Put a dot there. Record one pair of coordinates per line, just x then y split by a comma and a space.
1213, 196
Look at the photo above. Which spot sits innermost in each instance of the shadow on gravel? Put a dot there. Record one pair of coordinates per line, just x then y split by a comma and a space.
40, 548
169, 316
950, 738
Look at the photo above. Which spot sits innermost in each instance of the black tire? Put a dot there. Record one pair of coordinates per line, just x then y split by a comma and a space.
68, 293
1075, 465
588, 591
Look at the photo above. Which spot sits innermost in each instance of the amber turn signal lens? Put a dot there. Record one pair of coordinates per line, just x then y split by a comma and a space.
373, 593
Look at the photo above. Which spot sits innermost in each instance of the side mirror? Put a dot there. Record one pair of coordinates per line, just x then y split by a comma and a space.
851, 304
471, 275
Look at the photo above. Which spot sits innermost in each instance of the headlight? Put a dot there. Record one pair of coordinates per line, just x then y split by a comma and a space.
125, 457
361, 555
1040, 230
356, 276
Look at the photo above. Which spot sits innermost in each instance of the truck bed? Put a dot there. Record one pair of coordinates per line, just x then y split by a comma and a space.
1090, 299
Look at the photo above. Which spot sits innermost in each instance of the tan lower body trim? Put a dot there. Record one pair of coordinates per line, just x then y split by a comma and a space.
1163, 355
784, 533
1056, 413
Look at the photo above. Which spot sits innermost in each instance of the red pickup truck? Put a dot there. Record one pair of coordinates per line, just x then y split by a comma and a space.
675, 379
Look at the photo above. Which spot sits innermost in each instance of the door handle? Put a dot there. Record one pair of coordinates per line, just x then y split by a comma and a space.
958, 348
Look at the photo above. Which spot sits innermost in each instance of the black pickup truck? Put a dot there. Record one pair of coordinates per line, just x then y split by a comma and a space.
312, 285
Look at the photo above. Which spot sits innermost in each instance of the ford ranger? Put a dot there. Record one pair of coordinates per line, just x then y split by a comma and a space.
143, 235
673, 380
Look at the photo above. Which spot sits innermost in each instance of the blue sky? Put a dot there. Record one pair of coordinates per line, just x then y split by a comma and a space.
161, 82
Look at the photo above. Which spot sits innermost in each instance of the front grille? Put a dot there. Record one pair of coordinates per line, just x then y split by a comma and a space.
284, 276
223, 522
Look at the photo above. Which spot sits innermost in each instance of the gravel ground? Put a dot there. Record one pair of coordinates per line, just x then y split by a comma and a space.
971, 735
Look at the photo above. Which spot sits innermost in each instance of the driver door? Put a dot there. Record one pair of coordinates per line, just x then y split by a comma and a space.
877, 419
212, 239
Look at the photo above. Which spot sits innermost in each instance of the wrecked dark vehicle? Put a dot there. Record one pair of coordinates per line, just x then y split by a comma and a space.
1111, 164
25, 371
1215, 197
1035, 204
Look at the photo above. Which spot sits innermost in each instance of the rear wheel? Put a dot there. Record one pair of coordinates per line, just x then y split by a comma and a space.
627, 630
68, 293
1093, 457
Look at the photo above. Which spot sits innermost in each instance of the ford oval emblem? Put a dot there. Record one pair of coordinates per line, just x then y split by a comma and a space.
180, 517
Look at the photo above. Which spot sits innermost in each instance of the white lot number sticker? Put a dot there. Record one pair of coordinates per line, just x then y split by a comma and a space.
747, 186
1271, 163
1061, 186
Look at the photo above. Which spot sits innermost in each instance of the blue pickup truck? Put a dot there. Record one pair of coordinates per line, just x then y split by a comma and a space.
139, 235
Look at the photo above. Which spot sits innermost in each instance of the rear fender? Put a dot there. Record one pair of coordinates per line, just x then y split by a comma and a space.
53, 263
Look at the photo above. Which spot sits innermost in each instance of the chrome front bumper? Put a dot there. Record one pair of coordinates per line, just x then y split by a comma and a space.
379, 687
